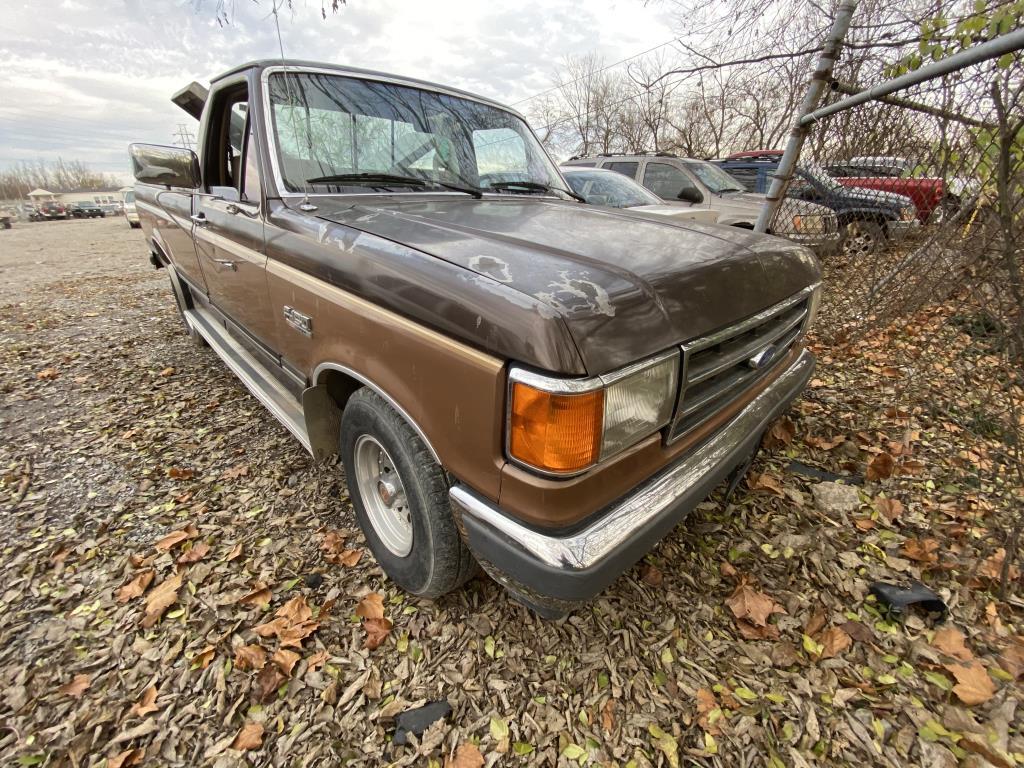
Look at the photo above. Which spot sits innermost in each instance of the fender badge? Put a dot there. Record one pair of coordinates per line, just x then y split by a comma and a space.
763, 358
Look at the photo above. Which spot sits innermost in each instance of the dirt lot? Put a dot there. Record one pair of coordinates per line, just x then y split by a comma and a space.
156, 522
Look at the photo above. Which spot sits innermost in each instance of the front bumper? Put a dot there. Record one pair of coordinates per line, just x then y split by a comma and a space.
554, 571
821, 243
897, 230
132, 216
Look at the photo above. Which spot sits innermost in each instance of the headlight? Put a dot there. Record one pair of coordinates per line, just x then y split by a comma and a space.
564, 426
808, 223
908, 214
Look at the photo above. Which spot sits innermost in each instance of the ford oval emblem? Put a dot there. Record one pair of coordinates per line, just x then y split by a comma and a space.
763, 357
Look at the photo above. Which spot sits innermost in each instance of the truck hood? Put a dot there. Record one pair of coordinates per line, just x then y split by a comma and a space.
626, 286
874, 198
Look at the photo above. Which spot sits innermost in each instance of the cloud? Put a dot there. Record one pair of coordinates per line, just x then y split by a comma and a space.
84, 85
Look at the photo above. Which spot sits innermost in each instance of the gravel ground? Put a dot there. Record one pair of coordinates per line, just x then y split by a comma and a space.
184, 587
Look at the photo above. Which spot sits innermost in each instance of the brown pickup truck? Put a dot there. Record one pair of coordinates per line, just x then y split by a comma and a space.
399, 272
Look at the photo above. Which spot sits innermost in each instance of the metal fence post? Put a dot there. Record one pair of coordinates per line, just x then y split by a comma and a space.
819, 82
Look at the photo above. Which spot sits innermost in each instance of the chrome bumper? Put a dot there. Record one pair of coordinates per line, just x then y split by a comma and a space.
577, 565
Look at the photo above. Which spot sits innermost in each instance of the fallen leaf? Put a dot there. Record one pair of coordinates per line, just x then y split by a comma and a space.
48, 373
296, 610
376, 632
168, 541
651, 574
285, 660
371, 607
136, 586
816, 622
466, 756
169, 371
350, 557
709, 713
950, 641
921, 550
250, 657
235, 472
194, 555
781, 433
834, 641
318, 659
750, 605
666, 743
204, 657
160, 599
250, 737
608, 715
764, 482
992, 568
146, 703
126, 759
890, 509
973, 685
177, 473
76, 686
235, 553
880, 467
267, 682
260, 595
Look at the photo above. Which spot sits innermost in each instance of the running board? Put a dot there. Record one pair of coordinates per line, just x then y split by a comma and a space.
253, 374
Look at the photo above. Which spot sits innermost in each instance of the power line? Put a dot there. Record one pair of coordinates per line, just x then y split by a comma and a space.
596, 71
184, 137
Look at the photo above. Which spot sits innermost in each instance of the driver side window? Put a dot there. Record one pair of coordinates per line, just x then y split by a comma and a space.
667, 181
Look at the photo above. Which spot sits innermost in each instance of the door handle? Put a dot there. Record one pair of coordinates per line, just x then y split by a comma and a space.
233, 266
232, 209
199, 219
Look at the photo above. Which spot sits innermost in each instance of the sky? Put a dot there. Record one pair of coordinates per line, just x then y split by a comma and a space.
83, 78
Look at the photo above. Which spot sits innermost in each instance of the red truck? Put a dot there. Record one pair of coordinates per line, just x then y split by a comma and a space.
890, 174
885, 174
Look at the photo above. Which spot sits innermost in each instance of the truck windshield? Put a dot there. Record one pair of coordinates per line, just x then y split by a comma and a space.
331, 125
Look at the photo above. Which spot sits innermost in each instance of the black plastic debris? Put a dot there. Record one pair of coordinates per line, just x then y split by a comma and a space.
313, 580
799, 468
416, 721
898, 598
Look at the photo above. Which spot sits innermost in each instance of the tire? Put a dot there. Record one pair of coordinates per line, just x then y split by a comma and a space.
862, 238
183, 301
416, 543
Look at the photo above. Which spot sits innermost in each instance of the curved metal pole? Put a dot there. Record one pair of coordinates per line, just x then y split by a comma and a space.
819, 82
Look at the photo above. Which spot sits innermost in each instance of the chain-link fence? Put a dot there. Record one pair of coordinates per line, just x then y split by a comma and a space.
927, 280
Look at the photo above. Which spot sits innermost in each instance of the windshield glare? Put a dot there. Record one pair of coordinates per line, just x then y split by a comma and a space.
819, 175
714, 178
327, 125
610, 188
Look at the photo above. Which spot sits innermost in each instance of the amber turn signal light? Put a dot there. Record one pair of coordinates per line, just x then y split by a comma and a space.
555, 432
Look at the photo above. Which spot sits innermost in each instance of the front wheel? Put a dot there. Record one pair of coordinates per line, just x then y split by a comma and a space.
862, 238
400, 497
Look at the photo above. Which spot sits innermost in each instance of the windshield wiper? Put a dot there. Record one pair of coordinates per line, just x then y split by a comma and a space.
388, 180
534, 186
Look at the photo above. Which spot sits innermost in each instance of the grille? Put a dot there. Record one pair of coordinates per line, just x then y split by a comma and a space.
717, 368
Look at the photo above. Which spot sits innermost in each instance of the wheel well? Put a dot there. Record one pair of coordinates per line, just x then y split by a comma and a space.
743, 225
340, 386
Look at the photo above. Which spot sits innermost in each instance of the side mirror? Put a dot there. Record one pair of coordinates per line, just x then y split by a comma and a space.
690, 195
166, 166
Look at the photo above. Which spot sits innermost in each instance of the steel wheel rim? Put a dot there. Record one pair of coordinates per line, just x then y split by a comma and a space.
858, 242
383, 495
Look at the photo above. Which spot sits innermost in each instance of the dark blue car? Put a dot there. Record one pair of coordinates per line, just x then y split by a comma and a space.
867, 218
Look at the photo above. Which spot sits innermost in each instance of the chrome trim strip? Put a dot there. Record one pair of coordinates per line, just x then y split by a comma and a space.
390, 400
703, 342
600, 539
733, 358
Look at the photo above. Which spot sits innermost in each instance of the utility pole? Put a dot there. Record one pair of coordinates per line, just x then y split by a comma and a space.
184, 137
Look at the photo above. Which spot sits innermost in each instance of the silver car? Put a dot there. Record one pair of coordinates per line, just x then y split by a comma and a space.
698, 184
600, 187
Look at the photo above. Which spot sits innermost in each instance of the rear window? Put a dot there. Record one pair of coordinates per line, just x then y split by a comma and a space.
626, 169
